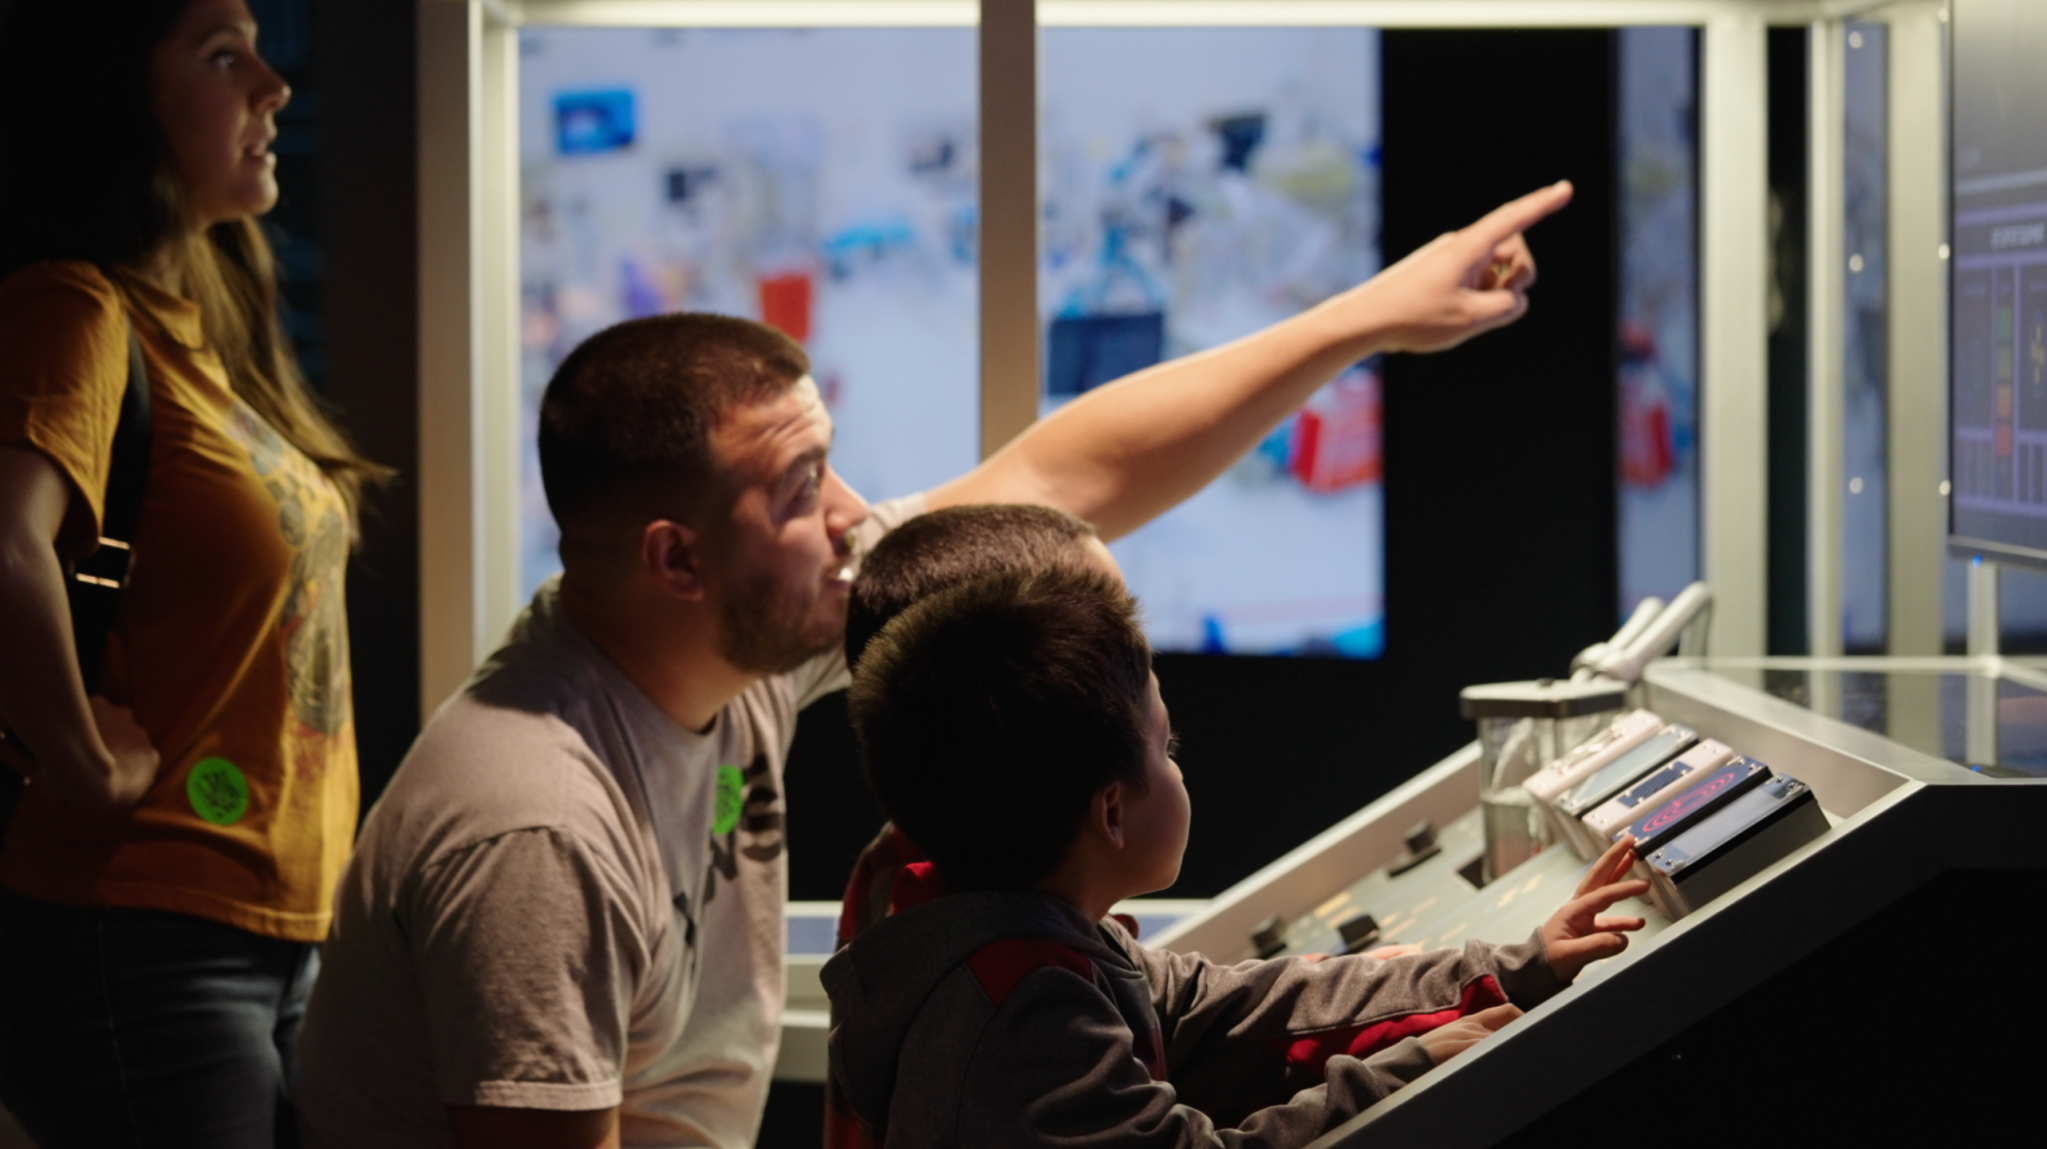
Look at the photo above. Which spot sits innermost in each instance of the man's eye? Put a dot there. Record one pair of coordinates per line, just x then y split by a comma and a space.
1172, 746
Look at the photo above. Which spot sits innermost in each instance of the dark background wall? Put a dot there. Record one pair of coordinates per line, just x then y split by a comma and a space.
361, 85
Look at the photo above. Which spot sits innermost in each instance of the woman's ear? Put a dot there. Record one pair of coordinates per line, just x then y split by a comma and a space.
670, 553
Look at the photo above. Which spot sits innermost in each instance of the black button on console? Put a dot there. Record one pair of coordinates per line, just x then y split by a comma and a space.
1270, 936
1358, 932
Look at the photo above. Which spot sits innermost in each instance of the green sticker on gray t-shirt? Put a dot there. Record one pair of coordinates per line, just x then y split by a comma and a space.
730, 798
218, 791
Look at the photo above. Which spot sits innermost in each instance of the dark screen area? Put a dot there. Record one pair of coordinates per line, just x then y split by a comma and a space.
1998, 292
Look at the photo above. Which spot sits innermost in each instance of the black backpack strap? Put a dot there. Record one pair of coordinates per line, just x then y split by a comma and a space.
96, 580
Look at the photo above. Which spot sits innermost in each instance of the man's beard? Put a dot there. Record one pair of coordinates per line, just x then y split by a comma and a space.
766, 629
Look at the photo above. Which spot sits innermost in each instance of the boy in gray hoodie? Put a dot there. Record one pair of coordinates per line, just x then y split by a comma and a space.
1012, 728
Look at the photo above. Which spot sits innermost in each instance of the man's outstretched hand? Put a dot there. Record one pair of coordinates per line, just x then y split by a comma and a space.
1581, 933
1466, 282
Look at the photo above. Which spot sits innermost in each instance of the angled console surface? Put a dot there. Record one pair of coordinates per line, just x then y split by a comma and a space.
1879, 741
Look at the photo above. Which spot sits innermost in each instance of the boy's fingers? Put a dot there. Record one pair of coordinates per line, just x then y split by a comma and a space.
1591, 947
1609, 866
1519, 215
1617, 922
1605, 896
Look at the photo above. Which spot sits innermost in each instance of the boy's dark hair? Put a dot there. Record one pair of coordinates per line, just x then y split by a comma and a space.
989, 714
950, 546
625, 426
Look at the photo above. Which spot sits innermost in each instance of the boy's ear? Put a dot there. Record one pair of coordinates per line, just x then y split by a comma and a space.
1106, 813
670, 553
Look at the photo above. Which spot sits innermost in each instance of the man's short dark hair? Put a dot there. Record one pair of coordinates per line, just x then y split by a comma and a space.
625, 426
990, 714
950, 546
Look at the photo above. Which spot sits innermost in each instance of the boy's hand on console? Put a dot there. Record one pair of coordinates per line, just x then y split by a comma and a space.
1580, 933
1447, 1041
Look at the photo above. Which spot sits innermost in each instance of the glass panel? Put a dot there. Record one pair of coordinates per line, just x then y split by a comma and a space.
1200, 184
1659, 313
1927, 711
1864, 447
823, 181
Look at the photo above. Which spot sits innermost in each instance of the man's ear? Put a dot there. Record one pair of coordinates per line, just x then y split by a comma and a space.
671, 553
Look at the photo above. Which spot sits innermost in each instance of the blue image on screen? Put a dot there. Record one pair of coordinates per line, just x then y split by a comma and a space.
1086, 351
592, 123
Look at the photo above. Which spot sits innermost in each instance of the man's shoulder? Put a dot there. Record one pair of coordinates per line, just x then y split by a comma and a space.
480, 771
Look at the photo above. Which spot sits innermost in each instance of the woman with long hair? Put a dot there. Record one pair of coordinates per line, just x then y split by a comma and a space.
169, 867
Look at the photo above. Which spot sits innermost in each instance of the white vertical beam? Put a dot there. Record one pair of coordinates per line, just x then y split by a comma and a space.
1917, 387
1983, 608
1009, 220
1734, 327
450, 345
1980, 720
499, 389
1826, 302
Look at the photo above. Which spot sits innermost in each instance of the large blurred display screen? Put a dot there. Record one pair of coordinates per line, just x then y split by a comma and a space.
1201, 184
1998, 460
822, 181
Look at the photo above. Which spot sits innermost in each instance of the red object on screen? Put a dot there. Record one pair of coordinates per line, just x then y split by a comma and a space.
1337, 437
785, 303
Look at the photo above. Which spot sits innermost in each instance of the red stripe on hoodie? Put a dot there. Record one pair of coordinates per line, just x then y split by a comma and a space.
1313, 1052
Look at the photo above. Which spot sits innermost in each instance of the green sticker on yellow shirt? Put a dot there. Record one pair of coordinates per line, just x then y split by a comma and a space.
217, 791
731, 797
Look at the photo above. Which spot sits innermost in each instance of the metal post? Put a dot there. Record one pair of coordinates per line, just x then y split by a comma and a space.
1825, 301
1981, 721
1734, 327
1009, 220
1917, 386
499, 387
1983, 606
450, 307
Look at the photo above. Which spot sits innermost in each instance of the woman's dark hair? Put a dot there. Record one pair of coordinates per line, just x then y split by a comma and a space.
92, 180
990, 714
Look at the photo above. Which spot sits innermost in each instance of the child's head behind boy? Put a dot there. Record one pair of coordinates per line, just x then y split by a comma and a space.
1012, 728
955, 545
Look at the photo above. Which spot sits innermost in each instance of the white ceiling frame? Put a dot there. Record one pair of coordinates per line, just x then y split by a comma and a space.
1168, 13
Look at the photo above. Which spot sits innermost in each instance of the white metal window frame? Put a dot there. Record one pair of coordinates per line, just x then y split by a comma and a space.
468, 271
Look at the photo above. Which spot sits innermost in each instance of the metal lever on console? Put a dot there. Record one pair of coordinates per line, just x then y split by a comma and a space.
1582, 667
1625, 662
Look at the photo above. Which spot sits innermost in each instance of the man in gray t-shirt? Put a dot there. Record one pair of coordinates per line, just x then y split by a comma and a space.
560, 877
563, 921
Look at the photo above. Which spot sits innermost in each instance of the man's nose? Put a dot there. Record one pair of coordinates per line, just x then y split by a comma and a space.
844, 508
